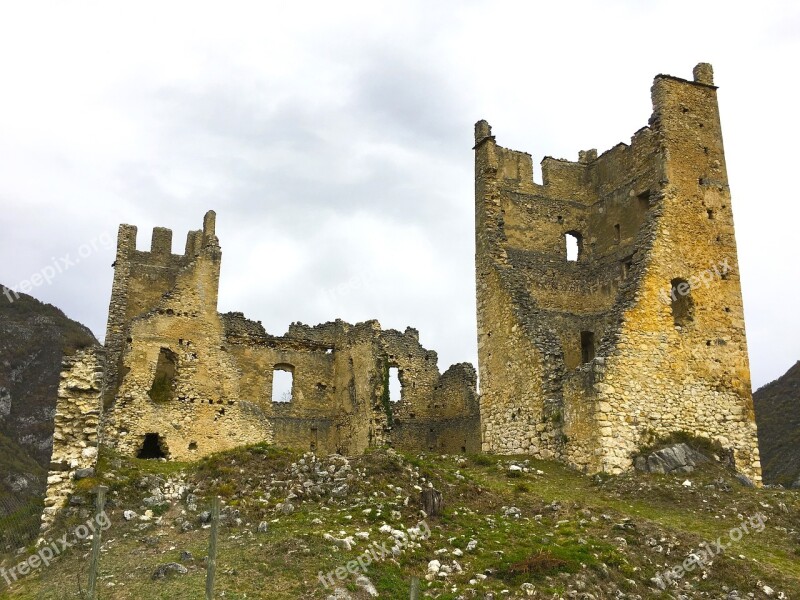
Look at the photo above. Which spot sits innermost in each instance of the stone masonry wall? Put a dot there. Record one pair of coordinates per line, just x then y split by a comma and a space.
586, 359
77, 425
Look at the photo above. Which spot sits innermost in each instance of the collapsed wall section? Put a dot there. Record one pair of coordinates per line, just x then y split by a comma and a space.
188, 381
77, 427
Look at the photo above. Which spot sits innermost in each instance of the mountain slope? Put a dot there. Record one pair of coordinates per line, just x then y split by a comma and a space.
777, 407
34, 337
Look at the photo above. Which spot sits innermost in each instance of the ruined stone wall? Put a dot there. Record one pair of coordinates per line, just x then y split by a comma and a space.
77, 424
641, 213
189, 381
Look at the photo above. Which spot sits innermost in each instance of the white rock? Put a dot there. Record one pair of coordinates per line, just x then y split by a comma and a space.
366, 585
346, 543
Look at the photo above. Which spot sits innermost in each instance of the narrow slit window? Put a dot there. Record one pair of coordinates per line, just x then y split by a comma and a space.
627, 265
282, 383
616, 233
587, 346
682, 304
574, 245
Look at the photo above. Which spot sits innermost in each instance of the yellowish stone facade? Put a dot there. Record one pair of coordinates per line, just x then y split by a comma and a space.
643, 334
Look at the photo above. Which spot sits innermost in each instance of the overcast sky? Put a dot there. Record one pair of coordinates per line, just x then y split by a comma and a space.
334, 141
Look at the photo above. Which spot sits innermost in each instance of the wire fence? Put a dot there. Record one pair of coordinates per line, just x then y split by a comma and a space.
19, 523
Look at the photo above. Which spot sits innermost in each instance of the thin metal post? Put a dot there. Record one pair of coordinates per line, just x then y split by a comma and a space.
211, 571
96, 540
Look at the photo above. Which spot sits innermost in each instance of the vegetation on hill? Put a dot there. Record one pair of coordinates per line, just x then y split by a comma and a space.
511, 527
777, 407
21, 483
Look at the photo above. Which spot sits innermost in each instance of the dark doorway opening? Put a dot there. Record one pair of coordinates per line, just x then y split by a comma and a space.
152, 447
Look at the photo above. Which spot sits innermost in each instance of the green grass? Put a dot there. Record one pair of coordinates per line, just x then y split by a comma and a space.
571, 525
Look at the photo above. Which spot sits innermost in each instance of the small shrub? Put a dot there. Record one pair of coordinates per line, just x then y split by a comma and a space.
84, 486
482, 460
540, 564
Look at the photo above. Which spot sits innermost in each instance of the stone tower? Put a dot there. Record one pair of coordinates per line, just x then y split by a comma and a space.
588, 358
142, 278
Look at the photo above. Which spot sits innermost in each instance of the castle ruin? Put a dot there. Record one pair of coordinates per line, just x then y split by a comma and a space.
584, 358
588, 358
178, 380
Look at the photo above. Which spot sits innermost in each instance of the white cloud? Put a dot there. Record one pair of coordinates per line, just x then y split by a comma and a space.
333, 139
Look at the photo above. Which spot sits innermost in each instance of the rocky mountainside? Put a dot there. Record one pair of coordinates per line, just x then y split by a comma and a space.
33, 339
777, 406
300, 526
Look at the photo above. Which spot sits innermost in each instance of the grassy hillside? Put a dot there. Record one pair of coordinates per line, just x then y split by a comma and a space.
777, 406
540, 531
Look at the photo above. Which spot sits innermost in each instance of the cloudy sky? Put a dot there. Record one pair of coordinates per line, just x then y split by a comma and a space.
334, 141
